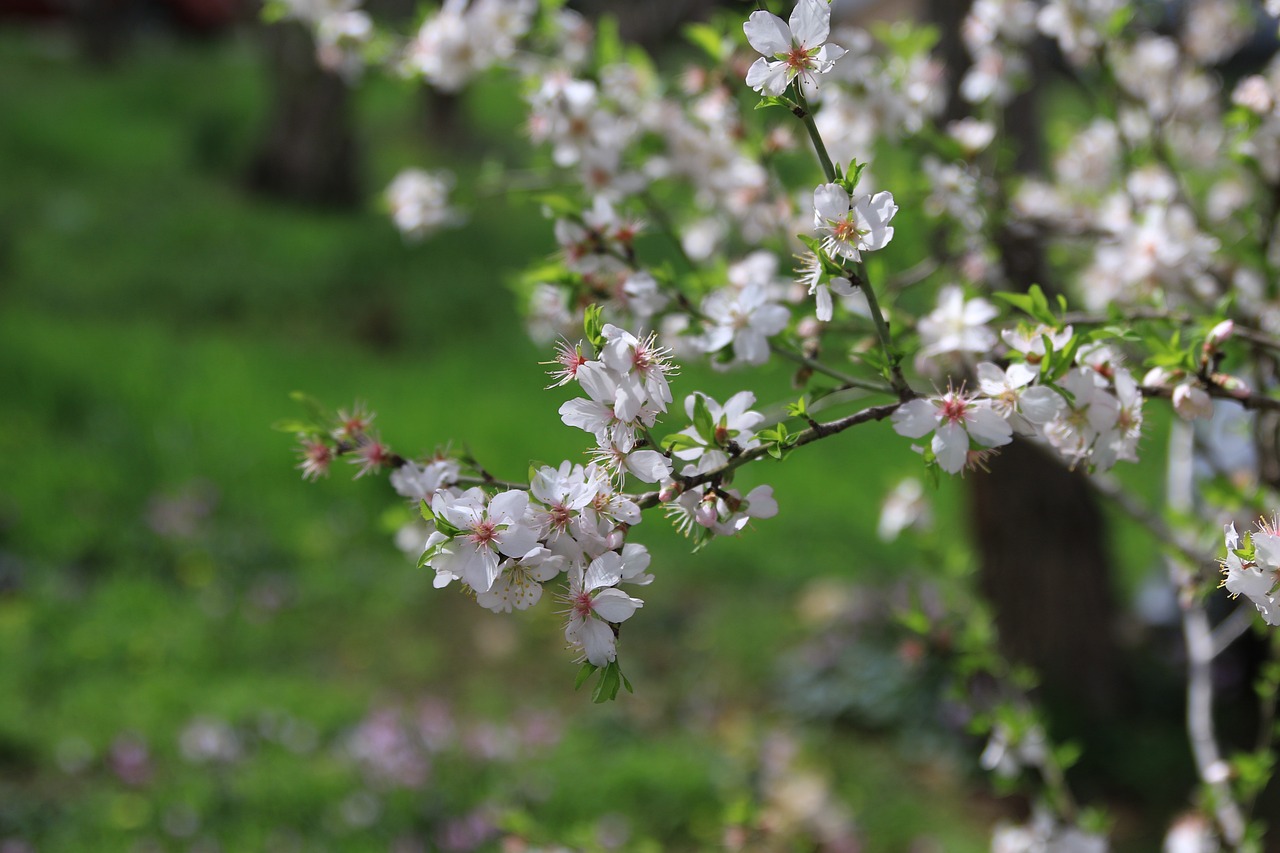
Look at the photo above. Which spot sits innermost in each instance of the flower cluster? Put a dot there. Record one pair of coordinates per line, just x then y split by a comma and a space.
465, 38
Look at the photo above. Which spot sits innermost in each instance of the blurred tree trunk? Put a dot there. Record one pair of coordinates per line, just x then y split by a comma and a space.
308, 153
1038, 530
947, 16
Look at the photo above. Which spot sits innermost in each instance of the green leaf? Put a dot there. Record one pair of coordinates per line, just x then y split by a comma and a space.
296, 427
775, 101
679, 441
607, 687
708, 38
593, 325
797, 409
315, 409
587, 670
702, 420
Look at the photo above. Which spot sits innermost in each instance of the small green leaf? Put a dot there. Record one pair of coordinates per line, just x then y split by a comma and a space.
702, 420
607, 687
774, 101
708, 38
585, 672
679, 441
593, 325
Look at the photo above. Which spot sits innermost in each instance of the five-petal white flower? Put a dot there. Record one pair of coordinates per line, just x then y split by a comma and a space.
852, 225
797, 47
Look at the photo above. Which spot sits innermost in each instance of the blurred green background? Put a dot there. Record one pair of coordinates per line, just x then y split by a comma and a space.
199, 651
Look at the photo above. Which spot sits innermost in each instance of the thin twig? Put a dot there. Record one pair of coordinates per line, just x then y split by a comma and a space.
808, 436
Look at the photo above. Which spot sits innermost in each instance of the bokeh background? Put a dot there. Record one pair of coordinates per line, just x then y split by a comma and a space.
201, 652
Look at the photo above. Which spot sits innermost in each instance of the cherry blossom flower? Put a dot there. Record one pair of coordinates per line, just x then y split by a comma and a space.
613, 408
421, 482
957, 325
852, 225
1029, 340
733, 422
419, 202
956, 420
317, 456
594, 603
797, 46
1014, 398
640, 360
519, 584
486, 528
745, 318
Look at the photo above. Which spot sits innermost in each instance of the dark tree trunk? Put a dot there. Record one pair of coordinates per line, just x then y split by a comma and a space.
1038, 530
947, 16
308, 153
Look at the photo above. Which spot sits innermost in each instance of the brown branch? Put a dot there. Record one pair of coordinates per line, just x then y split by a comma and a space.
808, 436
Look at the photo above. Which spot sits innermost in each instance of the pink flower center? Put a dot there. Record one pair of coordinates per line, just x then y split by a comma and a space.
582, 604
483, 533
846, 231
561, 515
798, 58
954, 409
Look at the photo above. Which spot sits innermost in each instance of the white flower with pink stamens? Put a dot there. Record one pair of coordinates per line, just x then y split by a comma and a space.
852, 225
594, 603
957, 421
484, 531
798, 47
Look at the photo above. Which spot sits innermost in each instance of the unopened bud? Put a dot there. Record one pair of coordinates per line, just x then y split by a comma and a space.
1233, 385
1160, 377
1219, 335
615, 540
670, 492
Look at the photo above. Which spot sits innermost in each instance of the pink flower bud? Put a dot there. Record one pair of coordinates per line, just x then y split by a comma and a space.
1219, 335
615, 540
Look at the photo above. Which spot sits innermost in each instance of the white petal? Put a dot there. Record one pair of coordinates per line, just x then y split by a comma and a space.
596, 639
915, 419
605, 570
509, 507
750, 346
761, 503
648, 465
768, 78
614, 605
1267, 549
810, 23
830, 203
1020, 374
768, 33
822, 294
951, 446
991, 379
1040, 405
988, 428
516, 540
